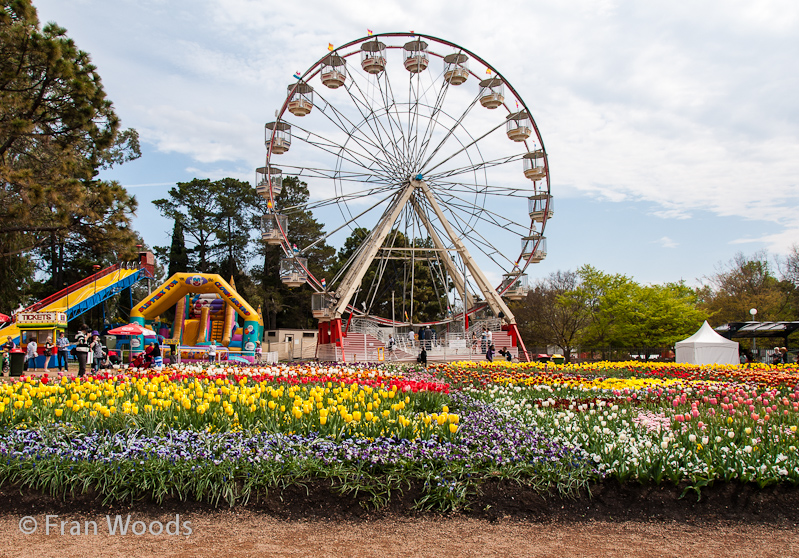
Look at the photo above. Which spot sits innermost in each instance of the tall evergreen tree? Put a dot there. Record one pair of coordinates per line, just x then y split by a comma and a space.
178, 256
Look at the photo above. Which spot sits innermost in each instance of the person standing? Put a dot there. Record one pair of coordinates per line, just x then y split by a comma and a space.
212, 352
8, 346
62, 351
48, 352
410, 337
82, 349
31, 354
490, 353
97, 353
158, 359
489, 337
784, 355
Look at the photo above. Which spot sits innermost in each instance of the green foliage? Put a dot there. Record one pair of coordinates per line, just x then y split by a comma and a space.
747, 282
57, 129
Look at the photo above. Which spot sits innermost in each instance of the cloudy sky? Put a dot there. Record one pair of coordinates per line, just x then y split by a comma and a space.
672, 128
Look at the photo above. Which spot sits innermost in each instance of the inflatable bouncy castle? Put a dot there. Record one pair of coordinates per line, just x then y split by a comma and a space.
207, 311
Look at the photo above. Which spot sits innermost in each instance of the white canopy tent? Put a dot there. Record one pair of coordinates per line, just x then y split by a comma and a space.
706, 347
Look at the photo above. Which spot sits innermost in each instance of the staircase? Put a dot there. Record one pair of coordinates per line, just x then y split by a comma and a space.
217, 330
362, 347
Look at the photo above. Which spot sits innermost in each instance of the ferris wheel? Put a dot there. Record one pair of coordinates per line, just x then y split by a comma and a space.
428, 153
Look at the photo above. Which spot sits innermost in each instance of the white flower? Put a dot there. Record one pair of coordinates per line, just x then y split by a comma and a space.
692, 438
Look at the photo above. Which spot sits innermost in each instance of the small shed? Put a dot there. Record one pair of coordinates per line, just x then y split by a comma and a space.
706, 347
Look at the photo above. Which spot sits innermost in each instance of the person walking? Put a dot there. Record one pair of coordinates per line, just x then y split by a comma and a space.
48, 353
31, 354
82, 349
490, 353
62, 351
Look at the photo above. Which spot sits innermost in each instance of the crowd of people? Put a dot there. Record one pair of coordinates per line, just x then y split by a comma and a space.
88, 351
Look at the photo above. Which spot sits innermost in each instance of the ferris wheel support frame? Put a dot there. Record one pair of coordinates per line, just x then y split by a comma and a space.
352, 279
493, 299
452, 269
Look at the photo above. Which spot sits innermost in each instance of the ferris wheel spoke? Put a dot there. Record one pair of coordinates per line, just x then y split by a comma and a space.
391, 103
478, 211
432, 121
349, 222
353, 131
451, 131
487, 189
479, 241
464, 148
331, 174
338, 150
311, 205
364, 104
471, 168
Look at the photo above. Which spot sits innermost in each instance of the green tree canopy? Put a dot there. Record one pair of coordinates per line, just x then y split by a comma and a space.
57, 130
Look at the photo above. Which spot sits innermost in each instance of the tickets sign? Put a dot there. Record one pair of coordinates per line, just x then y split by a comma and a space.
42, 319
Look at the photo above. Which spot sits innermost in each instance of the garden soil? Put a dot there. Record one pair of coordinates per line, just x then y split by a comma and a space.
504, 519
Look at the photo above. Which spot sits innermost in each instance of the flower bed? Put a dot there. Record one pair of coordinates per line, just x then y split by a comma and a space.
232, 434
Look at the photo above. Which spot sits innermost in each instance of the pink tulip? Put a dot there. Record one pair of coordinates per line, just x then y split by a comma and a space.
678, 418
695, 413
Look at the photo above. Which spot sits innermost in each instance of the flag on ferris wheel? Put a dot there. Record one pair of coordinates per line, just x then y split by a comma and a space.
369, 32
330, 46
324, 283
297, 75
488, 71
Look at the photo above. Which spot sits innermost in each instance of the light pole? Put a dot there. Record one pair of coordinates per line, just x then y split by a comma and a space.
753, 312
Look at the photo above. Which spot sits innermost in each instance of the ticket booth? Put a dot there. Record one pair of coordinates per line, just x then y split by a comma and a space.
38, 326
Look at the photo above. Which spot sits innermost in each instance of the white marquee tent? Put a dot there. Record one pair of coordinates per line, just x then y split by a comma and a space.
706, 347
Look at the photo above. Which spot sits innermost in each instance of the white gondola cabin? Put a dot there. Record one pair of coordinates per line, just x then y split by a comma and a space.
300, 100
271, 226
540, 206
534, 247
518, 286
416, 57
519, 126
533, 167
373, 57
456, 68
334, 71
264, 176
293, 271
278, 135
492, 93
322, 306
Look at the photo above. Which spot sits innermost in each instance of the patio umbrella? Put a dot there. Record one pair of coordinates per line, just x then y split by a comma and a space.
4, 319
132, 329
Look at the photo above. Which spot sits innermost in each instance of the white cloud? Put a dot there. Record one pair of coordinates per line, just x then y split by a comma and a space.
667, 242
688, 106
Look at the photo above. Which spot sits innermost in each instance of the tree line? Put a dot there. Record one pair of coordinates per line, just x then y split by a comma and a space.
596, 311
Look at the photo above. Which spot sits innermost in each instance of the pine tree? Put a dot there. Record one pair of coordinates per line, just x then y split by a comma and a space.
178, 256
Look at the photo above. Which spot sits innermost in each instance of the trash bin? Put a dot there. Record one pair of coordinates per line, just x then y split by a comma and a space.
542, 358
558, 359
17, 362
